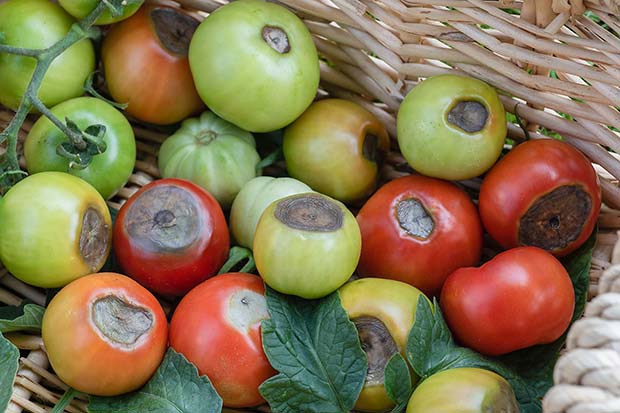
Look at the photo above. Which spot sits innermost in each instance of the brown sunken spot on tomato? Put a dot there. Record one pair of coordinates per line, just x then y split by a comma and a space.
556, 219
414, 218
277, 39
120, 322
94, 239
469, 115
310, 212
174, 30
378, 344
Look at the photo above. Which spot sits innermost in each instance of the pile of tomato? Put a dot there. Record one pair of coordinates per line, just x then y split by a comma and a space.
252, 67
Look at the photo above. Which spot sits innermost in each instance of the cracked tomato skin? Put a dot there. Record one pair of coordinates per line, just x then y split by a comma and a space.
390, 251
520, 298
216, 326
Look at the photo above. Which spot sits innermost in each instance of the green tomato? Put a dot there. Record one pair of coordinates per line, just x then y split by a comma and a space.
451, 127
54, 228
463, 390
306, 245
255, 64
38, 24
212, 153
109, 171
253, 199
81, 8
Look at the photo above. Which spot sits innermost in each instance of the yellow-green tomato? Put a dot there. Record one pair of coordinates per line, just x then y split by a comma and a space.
38, 24
54, 228
253, 199
383, 311
337, 147
81, 8
463, 390
306, 245
255, 64
451, 127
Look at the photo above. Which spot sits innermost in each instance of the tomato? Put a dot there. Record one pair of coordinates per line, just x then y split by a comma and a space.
463, 390
108, 172
520, 298
543, 193
418, 229
253, 199
104, 334
170, 236
146, 66
81, 8
212, 153
255, 64
38, 24
306, 245
54, 228
216, 326
383, 312
337, 147
451, 127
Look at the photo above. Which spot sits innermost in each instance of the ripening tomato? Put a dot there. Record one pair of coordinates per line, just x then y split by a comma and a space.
418, 230
105, 334
146, 66
216, 326
520, 298
543, 193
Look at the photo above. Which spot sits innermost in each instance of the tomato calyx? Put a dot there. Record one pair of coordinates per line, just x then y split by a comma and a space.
246, 308
555, 219
120, 323
378, 344
276, 38
309, 212
94, 238
469, 115
174, 30
413, 217
207, 136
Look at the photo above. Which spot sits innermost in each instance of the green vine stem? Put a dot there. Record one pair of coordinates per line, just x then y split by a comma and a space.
10, 172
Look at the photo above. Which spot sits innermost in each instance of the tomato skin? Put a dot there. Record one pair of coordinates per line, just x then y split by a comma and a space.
388, 251
43, 216
81, 8
528, 172
520, 298
38, 24
108, 172
325, 149
201, 330
154, 81
79, 352
171, 269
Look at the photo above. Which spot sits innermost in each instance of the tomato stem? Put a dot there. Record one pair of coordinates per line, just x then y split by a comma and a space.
65, 400
236, 256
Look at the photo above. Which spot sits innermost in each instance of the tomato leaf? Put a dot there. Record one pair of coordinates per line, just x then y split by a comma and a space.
317, 351
398, 383
175, 387
26, 317
9, 363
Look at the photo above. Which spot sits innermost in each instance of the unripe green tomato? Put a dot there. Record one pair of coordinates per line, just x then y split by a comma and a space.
463, 390
212, 153
451, 127
255, 64
81, 8
383, 312
38, 24
253, 199
306, 245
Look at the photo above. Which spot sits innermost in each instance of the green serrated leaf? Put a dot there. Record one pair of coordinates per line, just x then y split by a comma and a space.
9, 363
175, 387
398, 384
26, 317
316, 350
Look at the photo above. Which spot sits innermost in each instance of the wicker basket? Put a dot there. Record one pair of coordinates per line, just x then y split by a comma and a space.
556, 64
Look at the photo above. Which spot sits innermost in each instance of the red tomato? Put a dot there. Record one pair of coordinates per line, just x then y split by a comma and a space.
105, 334
543, 193
146, 66
170, 236
418, 230
216, 326
521, 297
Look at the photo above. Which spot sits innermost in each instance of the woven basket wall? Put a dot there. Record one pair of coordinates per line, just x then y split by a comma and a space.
556, 64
